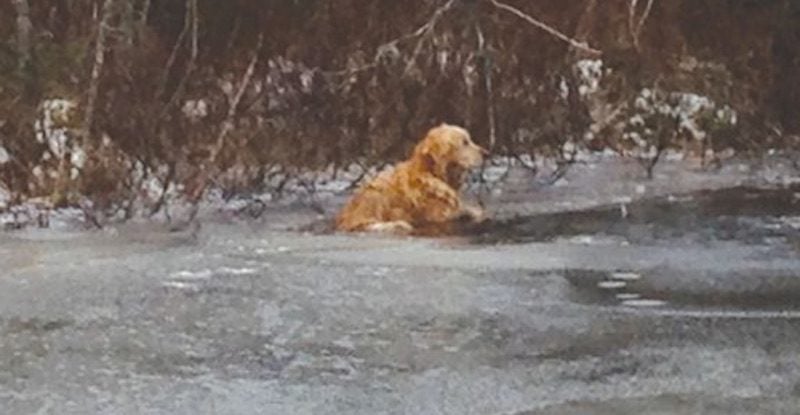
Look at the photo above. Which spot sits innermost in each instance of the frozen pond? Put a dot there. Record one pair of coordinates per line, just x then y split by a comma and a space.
677, 303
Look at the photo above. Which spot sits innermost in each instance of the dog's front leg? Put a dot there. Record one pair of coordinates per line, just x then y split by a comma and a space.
439, 202
472, 213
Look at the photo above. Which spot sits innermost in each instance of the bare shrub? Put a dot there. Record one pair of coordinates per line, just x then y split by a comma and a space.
244, 97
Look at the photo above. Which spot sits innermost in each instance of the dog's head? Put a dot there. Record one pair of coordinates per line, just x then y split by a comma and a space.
448, 148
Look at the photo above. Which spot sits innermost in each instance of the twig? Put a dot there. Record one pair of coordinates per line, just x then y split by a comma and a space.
24, 29
237, 25
635, 28
483, 184
144, 13
557, 174
381, 51
357, 180
97, 68
194, 14
487, 79
131, 185
644, 17
164, 189
573, 42
195, 26
530, 166
173, 56
424, 30
227, 125
632, 23
90, 215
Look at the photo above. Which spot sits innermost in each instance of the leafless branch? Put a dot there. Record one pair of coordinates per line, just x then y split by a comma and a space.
644, 16
490, 114
527, 165
635, 27
90, 214
381, 51
488, 84
195, 26
237, 26
227, 125
164, 190
632, 22
97, 68
173, 55
144, 12
193, 21
128, 22
355, 182
24, 29
423, 31
549, 29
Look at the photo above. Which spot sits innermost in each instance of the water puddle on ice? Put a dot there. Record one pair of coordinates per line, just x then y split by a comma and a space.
776, 297
746, 215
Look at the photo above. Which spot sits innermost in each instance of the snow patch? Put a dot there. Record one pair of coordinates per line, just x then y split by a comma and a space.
191, 275
180, 285
4, 156
590, 72
52, 127
792, 221
658, 115
5, 197
195, 109
237, 271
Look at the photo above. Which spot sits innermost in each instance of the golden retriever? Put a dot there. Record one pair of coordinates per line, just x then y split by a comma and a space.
421, 194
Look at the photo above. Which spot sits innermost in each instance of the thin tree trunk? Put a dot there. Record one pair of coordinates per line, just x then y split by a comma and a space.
191, 21
227, 126
107, 15
128, 22
144, 12
24, 29
486, 71
141, 22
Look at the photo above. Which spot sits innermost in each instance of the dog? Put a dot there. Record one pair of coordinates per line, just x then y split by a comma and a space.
419, 195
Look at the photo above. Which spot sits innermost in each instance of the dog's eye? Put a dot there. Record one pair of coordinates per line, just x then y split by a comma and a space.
464, 141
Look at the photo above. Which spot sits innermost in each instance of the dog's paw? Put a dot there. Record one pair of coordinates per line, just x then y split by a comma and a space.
400, 227
474, 214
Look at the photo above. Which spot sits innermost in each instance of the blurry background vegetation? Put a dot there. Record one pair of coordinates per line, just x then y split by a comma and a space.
119, 101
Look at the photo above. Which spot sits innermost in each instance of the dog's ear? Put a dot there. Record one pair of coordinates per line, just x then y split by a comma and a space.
429, 152
428, 160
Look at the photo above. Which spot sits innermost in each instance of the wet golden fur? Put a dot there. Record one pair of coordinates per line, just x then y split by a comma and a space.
421, 193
